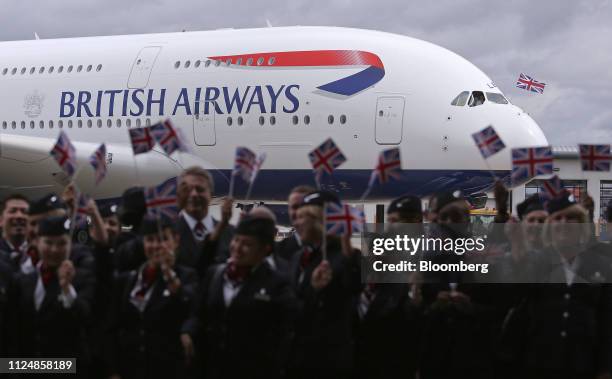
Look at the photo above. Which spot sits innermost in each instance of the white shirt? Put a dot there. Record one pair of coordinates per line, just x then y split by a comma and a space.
67, 299
570, 269
141, 303
207, 221
229, 291
25, 262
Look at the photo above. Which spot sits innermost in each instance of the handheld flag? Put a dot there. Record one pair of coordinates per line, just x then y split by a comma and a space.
326, 158
257, 166
595, 157
531, 161
244, 163
80, 217
65, 154
142, 140
551, 188
162, 199
98, 161
389, 166
488, 142
529, 84
166, 135
343, 219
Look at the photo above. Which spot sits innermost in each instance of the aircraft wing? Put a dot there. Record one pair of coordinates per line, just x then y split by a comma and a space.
27, 167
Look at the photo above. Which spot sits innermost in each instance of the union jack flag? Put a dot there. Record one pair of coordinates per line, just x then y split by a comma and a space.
552, 188
326, 158
389, 166
142, 140
488, 141
531, 161
65, 154
80, 216
343, 219
98, 161
258, 163
530, 84
245, 163
166, 135
595, 157
161, 200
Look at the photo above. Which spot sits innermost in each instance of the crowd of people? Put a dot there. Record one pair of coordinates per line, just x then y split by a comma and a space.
198, 297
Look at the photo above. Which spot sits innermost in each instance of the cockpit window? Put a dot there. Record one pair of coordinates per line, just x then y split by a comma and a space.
496, 98
477, 98
461, 99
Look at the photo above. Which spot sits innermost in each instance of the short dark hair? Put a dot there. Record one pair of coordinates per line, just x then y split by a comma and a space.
13, 196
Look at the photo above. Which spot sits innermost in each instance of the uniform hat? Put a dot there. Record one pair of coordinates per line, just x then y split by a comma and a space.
442, 199
46, 204
319, 198
54, 226
261, 228
408, 204
108, 210
133, 206
561, 202
532, 203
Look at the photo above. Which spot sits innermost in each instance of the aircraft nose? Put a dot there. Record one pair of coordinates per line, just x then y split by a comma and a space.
517, 129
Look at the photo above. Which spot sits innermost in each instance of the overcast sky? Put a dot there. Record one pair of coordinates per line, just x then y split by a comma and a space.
566, 44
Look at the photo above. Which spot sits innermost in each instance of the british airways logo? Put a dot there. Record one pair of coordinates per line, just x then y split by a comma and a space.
158, 102
225, 100
373, 72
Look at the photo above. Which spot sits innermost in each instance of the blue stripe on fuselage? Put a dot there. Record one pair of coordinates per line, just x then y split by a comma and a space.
350, 184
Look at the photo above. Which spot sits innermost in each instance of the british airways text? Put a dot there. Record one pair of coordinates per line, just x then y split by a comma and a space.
154, 102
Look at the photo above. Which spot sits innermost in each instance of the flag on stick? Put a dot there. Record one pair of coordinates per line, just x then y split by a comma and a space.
326, 158
64, 154
529, 84
167, 136
595, 157
161, 200
98, 161
142, 140
488, 142
343, 219
529, 162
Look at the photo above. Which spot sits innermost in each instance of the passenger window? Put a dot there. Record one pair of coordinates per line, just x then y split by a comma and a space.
476, 99
461, 99
496, 98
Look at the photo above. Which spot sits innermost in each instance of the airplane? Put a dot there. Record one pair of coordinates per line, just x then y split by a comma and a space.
282, 90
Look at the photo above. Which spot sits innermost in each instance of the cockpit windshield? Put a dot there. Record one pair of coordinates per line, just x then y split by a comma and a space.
461, 99
476, 98
496, 98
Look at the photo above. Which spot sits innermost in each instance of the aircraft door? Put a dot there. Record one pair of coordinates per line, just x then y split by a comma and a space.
389, 120
204, 125
142, 67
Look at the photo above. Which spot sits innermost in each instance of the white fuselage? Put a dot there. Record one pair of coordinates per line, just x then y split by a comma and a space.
141, 79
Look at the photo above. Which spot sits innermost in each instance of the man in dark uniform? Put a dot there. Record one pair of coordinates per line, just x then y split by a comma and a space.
149, 307
196, 225
462, 317
388, 314
50, 307
292, 244
13, 220
245, 313
327, 287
